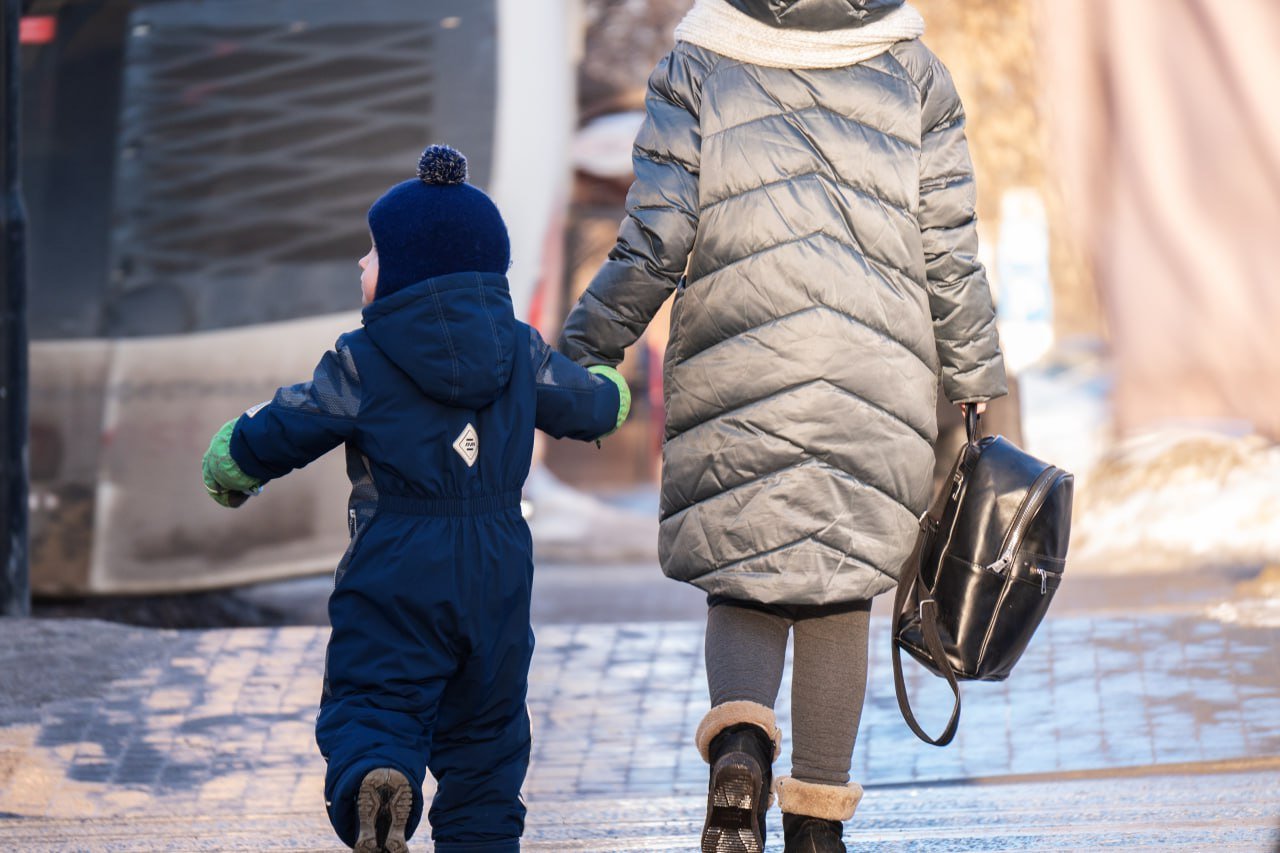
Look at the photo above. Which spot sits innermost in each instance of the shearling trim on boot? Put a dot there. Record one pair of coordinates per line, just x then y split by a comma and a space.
729, 714
827, 802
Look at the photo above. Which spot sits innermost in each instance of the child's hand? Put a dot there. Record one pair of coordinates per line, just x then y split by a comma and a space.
226, 497
624, 394
964, 407
223, 479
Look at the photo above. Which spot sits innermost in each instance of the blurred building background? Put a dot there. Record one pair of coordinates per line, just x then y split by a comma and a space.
1166, 147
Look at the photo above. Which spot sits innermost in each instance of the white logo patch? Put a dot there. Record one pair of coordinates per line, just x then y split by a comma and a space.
258, 408
468, 445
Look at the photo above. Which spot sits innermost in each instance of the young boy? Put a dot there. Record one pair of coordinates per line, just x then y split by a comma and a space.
436, 399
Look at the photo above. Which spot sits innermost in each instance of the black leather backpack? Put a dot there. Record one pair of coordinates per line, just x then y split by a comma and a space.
988, 561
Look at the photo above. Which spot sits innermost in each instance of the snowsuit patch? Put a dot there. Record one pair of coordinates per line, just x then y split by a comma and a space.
436, 399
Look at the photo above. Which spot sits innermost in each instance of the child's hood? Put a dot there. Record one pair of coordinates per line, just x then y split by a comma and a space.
454, 336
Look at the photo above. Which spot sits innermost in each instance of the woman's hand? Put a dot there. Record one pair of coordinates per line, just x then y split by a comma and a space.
964, 407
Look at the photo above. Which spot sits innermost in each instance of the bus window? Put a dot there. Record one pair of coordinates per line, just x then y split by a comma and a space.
222, 171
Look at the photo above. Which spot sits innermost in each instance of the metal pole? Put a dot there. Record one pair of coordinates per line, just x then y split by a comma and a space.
15, 584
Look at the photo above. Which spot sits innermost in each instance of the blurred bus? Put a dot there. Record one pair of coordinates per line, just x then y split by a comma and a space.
196, 175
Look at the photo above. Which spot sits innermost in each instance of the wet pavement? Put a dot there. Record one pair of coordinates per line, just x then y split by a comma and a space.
1155, 730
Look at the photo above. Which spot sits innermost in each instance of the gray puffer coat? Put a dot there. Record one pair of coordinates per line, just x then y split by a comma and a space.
818, 228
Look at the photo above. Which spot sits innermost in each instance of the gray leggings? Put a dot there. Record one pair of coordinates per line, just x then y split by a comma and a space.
746, 647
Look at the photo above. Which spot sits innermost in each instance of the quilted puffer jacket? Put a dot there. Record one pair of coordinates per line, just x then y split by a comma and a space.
818, 229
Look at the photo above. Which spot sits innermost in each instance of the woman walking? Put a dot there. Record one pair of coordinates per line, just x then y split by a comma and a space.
804, 186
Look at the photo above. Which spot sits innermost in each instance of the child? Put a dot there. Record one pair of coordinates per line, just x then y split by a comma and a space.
803, 185
436, 399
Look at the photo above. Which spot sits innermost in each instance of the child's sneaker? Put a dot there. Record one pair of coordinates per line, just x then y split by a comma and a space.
384, 803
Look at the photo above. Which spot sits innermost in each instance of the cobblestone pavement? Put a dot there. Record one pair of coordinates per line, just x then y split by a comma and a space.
1162, 730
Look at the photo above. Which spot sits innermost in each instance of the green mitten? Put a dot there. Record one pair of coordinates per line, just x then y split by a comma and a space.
223, 479
624, 393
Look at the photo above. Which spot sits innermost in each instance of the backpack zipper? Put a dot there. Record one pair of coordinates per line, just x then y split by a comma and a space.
1030, 504
1044, 579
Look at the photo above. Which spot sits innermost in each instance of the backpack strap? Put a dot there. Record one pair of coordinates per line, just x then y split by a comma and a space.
908, 598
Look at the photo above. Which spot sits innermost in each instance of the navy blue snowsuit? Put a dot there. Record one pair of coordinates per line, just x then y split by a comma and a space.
436, 399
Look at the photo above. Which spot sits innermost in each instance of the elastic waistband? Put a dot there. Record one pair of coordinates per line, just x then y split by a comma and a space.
402, 505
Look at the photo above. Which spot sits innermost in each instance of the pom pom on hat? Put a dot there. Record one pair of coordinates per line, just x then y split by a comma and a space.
442, 165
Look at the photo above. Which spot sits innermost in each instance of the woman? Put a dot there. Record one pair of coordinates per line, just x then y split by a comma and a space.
804, 185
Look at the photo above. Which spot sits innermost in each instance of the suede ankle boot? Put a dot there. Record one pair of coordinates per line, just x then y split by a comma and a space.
738, 791
813, 814
805, 834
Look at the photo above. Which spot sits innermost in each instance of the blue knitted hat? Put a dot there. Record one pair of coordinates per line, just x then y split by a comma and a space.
436, 224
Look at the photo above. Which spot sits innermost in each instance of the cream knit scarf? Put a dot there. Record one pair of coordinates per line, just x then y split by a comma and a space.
717, 26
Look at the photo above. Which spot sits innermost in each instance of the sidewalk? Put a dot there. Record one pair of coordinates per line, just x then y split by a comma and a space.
1127, 733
